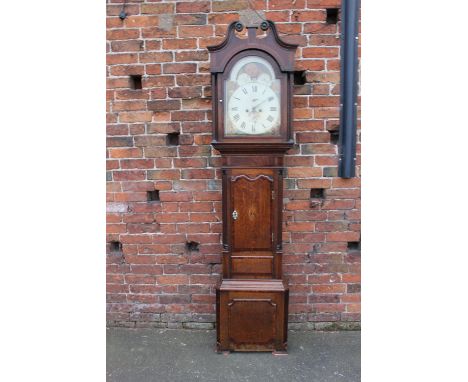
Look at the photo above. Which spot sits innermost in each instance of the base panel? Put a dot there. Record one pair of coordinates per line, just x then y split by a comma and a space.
252, 315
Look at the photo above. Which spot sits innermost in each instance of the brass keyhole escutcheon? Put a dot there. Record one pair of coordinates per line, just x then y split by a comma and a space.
234, 215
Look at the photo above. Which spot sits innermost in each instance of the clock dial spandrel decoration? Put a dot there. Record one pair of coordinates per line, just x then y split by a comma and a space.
253, 99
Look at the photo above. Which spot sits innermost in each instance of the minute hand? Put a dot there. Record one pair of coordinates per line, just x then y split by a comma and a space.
258, 104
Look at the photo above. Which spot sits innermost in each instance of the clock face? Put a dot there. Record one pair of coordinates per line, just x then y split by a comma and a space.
252, 94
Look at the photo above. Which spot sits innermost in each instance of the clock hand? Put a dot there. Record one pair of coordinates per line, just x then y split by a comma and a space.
258, 104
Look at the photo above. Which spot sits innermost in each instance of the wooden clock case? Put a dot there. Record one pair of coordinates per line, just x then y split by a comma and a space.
252, 298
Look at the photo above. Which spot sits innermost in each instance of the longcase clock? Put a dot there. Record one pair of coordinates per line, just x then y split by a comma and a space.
252, 80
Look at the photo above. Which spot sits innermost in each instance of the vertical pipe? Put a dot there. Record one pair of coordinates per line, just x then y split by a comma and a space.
348, 112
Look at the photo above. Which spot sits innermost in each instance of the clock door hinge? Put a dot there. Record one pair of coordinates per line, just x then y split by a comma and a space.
273, 195
272, 237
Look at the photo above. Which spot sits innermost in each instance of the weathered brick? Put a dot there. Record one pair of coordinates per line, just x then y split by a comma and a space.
186, 43
192, 55
195, 31
163, 105
185, 92
157, 8
192, 6
193, 19
179, 68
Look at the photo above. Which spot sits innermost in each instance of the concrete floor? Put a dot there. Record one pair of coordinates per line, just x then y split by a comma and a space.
163, 355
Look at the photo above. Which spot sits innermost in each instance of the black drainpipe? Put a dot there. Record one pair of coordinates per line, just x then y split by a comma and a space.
348, 111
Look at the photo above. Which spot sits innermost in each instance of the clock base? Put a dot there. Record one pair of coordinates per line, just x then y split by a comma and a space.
252, 315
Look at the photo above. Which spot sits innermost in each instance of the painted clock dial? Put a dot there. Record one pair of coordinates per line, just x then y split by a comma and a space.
253, 95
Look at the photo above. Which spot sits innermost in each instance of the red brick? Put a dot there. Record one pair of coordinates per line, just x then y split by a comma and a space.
127, 46
149, 140
173, 279
315, 52
137, 163
322, 28
325, 40
135, 116
193, 79
323, 3
315, 65
222, 18
315, 137
286, 4
289, 28
156, 32
304, 172
179, 68
164, 174
122, 58
279, 16
343, 236
158, 152
153, 44
131, 94
192, 6
338, 204
192, 55
155, 57
187, 115
302, 16
197, 174
193, 19
232, 5
123, 34
126, 153
129, 175
141, 21
128, 105
164, 105
300, 227
195, 31
175, 44
158, 81
203, 217
157, 8
324, 101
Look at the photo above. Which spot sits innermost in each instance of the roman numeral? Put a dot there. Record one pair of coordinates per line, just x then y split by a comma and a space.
236, 117
272, 108
235, 108
243, 125
253, 128
270, 98
270, 118
244, 90
254, 88
237, 98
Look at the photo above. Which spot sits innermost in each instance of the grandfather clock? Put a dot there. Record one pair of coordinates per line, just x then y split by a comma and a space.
252, 80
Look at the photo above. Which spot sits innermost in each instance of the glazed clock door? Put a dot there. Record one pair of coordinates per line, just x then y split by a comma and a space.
252, 222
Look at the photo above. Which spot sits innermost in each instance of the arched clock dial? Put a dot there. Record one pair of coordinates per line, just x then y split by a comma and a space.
253, 99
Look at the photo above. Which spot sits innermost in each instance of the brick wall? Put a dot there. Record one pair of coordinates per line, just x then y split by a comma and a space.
163, 177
